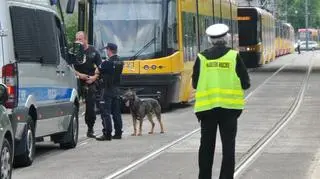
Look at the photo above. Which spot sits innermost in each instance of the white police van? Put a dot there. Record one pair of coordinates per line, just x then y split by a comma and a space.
43, 99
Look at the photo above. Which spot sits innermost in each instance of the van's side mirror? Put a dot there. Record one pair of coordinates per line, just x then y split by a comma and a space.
3, 94
70, 6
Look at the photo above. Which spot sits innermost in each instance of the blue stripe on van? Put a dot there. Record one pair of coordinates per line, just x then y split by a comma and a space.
45, 94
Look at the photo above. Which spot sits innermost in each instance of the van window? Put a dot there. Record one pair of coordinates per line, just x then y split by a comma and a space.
48, 38
61, 38
34, 35
24, 34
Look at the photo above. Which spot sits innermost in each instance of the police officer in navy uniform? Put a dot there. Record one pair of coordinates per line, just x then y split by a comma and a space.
219, 77
110, 72
88, 73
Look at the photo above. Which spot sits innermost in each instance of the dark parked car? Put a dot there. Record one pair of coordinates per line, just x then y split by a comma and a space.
6, 137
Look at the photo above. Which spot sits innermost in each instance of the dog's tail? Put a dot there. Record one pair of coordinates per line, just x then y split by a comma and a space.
156, 108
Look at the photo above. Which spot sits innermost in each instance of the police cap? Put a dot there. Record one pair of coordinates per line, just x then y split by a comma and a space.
217, 30
111, 46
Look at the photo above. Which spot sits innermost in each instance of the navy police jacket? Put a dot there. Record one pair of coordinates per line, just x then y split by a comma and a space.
110, 72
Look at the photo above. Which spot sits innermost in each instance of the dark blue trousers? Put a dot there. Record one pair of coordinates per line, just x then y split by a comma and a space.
111, 106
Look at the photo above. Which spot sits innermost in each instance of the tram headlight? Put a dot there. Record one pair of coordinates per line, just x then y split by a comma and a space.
154, 67
146, 67
251, 49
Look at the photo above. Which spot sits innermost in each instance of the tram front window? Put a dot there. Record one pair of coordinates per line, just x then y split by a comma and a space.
248, 33
131, 24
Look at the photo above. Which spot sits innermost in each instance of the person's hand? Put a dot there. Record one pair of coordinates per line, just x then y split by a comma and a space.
82, 76
91, 79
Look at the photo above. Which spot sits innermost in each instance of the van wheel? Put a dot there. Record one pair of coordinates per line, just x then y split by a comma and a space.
73, 130
6, 160
27, 157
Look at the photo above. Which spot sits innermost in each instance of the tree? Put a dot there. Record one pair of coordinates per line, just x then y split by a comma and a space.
71, 27
296, 12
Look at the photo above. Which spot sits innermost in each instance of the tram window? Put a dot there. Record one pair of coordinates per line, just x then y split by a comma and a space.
203, 24
194, 24
206, 22
259, 33
172, 30
189, 37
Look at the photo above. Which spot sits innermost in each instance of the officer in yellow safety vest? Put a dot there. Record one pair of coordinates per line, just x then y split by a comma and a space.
219, 77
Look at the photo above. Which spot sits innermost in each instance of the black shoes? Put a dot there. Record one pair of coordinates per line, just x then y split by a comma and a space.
103, 138
108, 137
116, 137
90, 134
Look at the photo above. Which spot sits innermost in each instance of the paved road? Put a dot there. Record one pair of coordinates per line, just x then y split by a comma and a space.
295, 146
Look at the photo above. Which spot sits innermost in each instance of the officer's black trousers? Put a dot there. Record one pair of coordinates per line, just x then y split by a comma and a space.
111, 106
226, 119
90, 98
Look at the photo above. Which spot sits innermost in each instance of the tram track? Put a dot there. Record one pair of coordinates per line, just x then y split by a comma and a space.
258, 147
251, 152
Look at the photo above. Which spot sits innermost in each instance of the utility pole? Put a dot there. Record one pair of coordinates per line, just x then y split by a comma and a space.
286, 10
274, 8
307, 31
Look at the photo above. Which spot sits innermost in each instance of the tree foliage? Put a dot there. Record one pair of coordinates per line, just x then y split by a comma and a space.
71, 27
296, 12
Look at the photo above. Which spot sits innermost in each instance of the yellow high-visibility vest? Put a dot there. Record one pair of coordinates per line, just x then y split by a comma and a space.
218, 84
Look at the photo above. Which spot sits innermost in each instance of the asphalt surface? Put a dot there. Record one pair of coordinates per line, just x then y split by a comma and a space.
294, 153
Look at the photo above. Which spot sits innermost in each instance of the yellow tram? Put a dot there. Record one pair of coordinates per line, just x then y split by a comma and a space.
157, 39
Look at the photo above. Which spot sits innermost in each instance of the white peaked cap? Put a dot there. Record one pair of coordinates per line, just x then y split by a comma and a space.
217, 30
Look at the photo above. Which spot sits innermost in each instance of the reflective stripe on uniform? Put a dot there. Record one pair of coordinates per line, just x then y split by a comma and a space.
218, 90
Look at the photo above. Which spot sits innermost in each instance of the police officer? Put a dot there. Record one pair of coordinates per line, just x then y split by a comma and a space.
88, 73
219, 77
111, 70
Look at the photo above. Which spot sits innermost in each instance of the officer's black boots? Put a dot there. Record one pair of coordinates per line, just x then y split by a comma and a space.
90, 133
103, 138
116, 136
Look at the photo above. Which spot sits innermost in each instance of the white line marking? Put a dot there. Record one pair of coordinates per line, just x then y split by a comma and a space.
153, 154
83, 143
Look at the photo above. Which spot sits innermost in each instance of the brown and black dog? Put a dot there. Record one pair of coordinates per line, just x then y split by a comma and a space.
139, 108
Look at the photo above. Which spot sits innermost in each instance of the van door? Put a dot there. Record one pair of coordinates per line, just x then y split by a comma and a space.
67, 80
57, 108
37, 54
